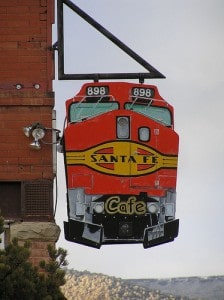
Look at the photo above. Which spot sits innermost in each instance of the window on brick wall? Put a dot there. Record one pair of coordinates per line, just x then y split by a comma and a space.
37, 200
10, 200
27, 200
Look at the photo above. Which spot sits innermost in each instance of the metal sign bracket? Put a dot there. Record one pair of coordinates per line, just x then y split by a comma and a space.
59, 46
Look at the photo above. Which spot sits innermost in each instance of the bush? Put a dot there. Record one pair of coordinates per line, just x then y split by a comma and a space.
19, 279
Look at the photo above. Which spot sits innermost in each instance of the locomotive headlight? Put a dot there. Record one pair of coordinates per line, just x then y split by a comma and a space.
123, 127
99, 207
153, 208
144, 134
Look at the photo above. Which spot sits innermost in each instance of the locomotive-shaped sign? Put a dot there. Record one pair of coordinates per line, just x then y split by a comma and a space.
120, 153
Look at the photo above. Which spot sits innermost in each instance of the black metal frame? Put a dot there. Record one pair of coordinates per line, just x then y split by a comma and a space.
153, 73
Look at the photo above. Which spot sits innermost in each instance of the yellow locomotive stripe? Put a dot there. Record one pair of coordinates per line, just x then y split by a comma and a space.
122, 159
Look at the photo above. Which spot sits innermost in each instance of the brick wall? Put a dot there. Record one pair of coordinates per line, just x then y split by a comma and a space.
39, 252
25, 39
17, 160
40, 236
26, 58
26, 175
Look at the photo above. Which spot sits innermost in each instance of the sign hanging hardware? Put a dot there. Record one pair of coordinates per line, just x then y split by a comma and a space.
59, 46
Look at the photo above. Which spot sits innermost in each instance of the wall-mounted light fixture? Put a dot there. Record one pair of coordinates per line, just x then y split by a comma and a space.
38, 131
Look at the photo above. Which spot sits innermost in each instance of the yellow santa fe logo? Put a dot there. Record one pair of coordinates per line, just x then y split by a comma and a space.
122, 159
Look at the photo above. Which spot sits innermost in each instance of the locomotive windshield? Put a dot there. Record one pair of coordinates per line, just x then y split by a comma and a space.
83, 110
157, 113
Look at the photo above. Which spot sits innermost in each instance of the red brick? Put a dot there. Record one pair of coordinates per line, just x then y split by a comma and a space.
6, 132
14, 23
24, 168
28, 161
48, 175
4, 161
8, 45
14, 176
3, 10
12, 38
43, 2
26, 58
29, 45
24, 152
17, 9
6, 3
17, 31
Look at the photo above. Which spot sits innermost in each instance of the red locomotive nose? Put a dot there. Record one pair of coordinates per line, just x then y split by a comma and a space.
120, 144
